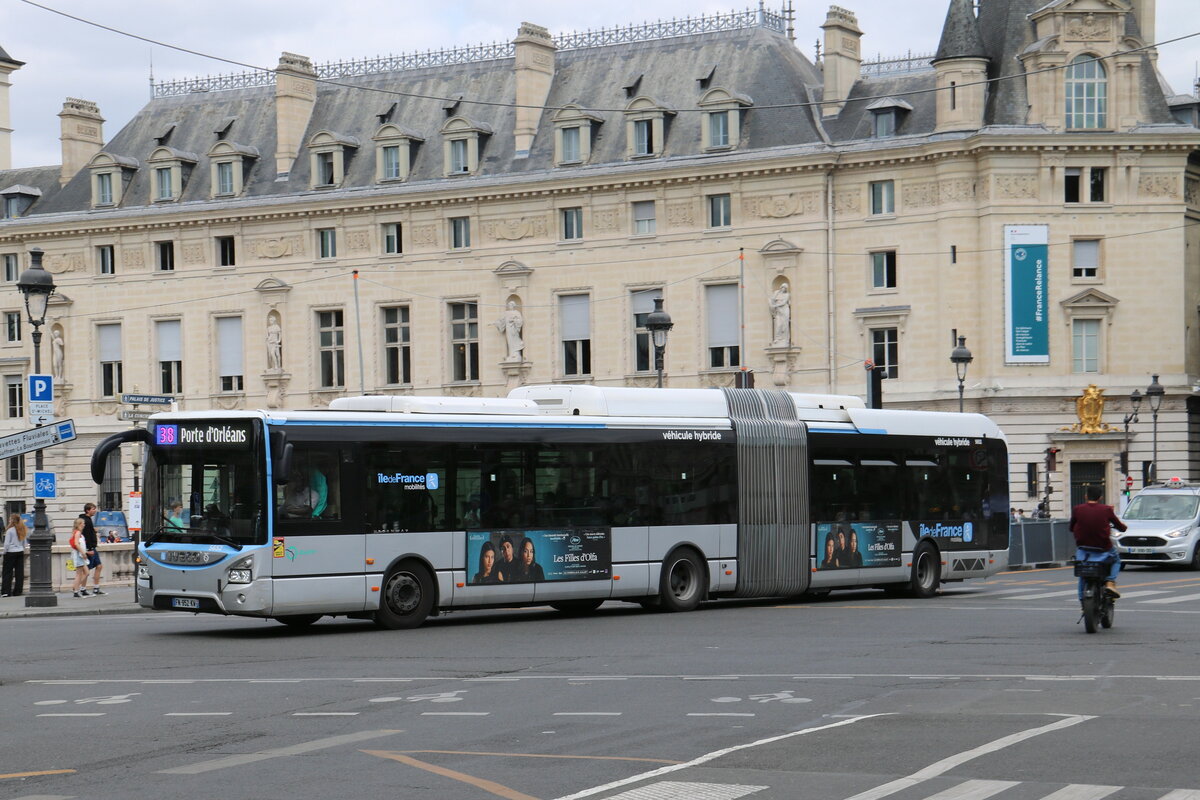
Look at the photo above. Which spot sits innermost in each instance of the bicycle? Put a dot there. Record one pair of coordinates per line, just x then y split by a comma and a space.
1099, 607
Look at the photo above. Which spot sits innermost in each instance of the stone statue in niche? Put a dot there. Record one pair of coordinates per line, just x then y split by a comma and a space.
781, 317
274, 343
510, 324
57, 353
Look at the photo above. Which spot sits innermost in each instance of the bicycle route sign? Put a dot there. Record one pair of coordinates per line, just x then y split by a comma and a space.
45, 485
37, 438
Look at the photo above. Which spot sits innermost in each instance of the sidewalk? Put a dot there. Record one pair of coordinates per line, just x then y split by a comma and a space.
116, 600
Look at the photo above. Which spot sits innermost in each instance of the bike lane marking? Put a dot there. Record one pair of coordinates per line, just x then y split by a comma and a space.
946, 764
974, 790
1187, 598
1082, 791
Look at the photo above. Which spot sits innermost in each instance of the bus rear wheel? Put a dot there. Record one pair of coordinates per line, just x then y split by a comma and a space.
683, 582
926, 571
298, 620
407, 597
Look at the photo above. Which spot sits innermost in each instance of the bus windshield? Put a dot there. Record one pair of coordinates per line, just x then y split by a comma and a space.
205, 490
1162, 506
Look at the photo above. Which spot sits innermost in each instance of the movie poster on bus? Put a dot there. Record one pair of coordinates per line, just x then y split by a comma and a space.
1026, 303
854, 545
535, 556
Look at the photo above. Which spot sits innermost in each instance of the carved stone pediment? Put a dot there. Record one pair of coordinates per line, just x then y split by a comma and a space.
1090, 299
269, 286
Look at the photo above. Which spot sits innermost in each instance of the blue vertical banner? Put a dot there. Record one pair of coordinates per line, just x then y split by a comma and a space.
1026, 307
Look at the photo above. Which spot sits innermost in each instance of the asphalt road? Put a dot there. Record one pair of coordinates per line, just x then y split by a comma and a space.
989, 690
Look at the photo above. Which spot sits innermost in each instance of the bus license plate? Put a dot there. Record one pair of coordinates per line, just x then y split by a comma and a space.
184, 602
1140, 551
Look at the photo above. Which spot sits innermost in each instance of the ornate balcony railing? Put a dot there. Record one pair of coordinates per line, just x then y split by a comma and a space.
646, 32
884, 67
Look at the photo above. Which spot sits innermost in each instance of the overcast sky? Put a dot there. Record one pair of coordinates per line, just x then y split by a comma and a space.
65, 58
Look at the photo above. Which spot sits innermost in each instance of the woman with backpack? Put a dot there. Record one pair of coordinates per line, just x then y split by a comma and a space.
14, 558
79, 555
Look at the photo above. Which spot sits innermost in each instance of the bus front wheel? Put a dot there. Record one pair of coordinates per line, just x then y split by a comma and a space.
926, 571
683, 582
407, 598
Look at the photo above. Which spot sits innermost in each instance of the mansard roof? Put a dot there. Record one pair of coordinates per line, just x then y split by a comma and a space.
6, 58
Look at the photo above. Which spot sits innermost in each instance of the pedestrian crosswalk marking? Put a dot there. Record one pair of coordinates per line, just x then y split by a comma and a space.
1082, 791
973, 790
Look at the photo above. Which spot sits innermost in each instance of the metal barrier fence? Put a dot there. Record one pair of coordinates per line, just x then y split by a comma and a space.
1041, 541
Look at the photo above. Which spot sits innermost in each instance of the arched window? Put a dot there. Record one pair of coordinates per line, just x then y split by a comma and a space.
1087, 94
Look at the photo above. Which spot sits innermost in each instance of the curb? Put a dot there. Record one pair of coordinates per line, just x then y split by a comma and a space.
62, 611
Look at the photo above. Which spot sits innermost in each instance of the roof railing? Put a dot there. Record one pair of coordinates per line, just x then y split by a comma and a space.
470, 54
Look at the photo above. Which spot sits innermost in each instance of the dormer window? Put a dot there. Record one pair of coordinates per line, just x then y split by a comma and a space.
721, 121
395, 148
17, 199
329, 155
886, 115
229, 164
461, 145
1086, 94
573, 135
645, 128
110, 175
170, 171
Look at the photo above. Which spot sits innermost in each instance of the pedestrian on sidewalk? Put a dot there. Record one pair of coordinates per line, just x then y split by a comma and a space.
80, 557
93, 548
13, 582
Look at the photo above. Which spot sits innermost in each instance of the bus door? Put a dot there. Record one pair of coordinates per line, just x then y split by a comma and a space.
318, 542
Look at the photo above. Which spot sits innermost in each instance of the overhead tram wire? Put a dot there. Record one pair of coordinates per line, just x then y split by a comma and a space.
500, 104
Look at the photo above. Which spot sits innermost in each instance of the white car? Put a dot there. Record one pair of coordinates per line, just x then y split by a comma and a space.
1164, 526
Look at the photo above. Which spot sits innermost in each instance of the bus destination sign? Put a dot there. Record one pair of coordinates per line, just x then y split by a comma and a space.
203, 434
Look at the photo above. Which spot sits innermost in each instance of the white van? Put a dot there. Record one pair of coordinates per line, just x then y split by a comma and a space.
1164, 526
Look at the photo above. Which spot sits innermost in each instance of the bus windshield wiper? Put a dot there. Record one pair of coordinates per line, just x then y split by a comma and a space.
223, 539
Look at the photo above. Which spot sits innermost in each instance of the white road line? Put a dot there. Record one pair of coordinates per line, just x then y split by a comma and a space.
946, 764
1182, 794
1011, 591
1060, 677
1082, 791
654, 773
78, 714
325, 714
263, 755
490, 680
720, 714
587, 713
388, 680
1143, 593
198, 714
455, 713
47, 797
1186, 598
164, 680
1042, 595
973, 790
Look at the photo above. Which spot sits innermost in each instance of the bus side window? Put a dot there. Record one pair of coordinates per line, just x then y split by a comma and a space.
313, 490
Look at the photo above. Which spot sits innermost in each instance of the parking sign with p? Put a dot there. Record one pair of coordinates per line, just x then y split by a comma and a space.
41, 388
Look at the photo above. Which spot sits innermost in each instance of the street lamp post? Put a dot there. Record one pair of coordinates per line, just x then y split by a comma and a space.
1135, 401
1154, 396
658, 322
36, 284
961, 357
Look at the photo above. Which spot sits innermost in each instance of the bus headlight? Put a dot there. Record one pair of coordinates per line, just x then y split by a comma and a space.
242, 571
143, 572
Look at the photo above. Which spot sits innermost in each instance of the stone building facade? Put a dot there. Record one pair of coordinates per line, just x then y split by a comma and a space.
279, 240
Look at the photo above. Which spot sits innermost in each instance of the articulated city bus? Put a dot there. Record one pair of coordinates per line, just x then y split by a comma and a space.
396, 508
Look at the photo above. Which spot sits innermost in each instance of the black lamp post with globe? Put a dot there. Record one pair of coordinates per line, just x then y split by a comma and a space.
36, 284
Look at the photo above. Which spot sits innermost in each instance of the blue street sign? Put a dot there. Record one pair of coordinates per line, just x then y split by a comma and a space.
44, 485
66, 430
41, 388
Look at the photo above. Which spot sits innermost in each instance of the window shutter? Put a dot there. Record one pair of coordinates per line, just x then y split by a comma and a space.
722, 315
110, 342
229, 346
170, 347
576, 314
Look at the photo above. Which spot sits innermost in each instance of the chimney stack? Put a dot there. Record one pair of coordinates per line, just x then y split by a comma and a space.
8, 65
82, 135
295, 95
534, 74
842, 61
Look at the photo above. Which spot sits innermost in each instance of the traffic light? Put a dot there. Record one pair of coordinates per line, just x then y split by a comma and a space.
1124, 462
1051, 459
